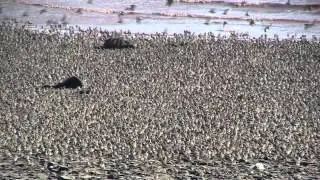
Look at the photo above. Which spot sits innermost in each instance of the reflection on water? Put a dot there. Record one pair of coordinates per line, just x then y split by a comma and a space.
254, 17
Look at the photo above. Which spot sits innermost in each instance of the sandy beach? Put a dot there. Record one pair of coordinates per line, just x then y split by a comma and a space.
173, 107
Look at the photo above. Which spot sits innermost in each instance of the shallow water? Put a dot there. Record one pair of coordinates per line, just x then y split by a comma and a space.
294, 19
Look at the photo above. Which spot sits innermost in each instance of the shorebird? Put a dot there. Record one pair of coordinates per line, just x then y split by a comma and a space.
44, 10
186, 32
224, 23
138, 19
0, 10
48, 22
79, 11
225, 12
25, 14
120, 14
64, 18
64, 23
169, 2
267, 27
89, 1
288, 2
207, 22
251, 22
247, 13
243, 3
309, 25
212, 10
131, 8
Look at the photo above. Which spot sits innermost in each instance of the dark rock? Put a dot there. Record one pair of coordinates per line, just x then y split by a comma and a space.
70, 83
116, 43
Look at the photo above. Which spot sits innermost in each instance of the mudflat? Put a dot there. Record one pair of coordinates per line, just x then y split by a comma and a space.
181, 106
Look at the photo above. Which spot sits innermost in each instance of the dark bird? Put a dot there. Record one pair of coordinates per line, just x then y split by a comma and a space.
79, 11
224, 23
70, 83
288, 3
120, 14
25, 14
64, 18
308, 8
251, 22
247, 13
120, 21
169, 2
165, 31
267, 28
138, 19
212, 10
225, 12
0, 10
207, 22
89, 1
187, 33
243, 3
116, 43
64, 23
56, 168
43, 11
131, 8
51, 22
309, 25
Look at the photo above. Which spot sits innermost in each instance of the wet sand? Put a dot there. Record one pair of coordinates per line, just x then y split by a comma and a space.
269, 18
183, 106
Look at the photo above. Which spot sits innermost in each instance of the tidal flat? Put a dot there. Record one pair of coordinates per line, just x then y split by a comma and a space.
174, 107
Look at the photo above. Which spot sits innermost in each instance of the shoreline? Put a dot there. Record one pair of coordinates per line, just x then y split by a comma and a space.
64, 29
176, 19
